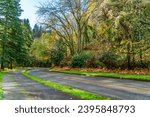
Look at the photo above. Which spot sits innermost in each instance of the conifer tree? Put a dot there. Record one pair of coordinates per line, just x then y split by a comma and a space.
12, 39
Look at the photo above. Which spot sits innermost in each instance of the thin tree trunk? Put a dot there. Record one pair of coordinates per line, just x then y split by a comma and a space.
141, 56
129, 56
2, 58
133, 59
11, 66
2, 65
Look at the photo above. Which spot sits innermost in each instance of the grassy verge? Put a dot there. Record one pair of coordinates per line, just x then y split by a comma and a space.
111, 75
1, 91
67, 89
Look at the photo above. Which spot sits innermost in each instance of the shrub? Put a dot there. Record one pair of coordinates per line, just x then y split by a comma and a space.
136, 64
56, 57
93, 62
110, 59
79, 60
63, 63
100, 64
58, 52
142, 64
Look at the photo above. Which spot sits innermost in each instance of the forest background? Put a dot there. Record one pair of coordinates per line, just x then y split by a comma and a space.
100, 34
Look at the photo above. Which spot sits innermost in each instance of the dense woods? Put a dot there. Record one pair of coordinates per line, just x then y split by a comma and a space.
15, 34
77, 33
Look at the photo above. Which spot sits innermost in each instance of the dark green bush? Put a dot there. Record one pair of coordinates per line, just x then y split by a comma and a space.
58, 53
141, 64
63, 63
56, 57
136, 64
93, 62
79, 60
100, 64
110, 59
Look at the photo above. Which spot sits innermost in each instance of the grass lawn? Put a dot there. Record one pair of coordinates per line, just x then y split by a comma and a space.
1, 91
67, 89
111, 75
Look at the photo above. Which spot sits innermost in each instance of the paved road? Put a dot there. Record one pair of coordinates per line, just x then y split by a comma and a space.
116, 88
18, 87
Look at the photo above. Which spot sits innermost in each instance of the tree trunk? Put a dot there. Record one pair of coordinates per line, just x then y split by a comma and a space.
79, 43
2, 65
72, 52
11, 66
129, 56
141, 56
133, 58
2, 58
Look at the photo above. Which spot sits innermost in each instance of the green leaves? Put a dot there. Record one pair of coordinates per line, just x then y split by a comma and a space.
13, 40
58, 52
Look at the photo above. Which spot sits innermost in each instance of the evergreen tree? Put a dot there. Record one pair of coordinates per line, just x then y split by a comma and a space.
7, 18
13, 39
28, 39
37, 31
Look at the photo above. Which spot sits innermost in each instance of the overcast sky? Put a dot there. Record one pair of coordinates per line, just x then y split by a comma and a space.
29, 7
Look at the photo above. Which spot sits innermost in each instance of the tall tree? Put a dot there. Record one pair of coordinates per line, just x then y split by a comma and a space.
8, 16
122, 27
69, 19
37, 31
12, 39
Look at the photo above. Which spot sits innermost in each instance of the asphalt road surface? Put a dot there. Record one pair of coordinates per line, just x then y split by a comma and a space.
18, 87
116, 88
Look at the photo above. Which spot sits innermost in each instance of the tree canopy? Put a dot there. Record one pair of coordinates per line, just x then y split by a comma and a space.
114, 33
14, 33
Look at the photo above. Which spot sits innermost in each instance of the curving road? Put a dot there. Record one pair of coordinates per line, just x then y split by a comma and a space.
18, 87
115, 88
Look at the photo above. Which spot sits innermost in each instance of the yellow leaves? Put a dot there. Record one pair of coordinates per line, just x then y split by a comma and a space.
110, 14
102, 28
41, 47
122, 17
46, 58
92, 5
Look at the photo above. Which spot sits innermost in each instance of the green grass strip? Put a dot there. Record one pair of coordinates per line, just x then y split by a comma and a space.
67, 89
110, 75
1, 90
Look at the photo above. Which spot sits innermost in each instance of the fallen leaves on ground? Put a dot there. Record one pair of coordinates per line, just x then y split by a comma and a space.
135, 71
